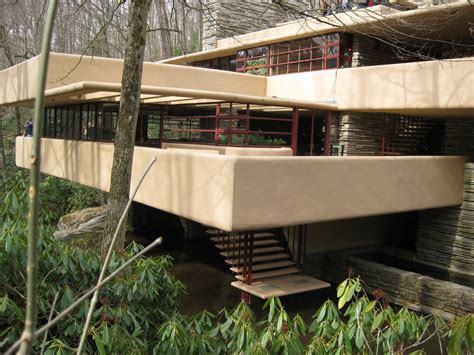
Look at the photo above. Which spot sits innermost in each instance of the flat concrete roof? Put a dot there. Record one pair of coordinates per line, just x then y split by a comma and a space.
434, 88
447, 21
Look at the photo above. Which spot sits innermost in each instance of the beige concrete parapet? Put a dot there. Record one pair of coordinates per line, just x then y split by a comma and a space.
254, 192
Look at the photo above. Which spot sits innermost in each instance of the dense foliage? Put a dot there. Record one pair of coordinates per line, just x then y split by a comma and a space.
137, 312
131, 308
356, 325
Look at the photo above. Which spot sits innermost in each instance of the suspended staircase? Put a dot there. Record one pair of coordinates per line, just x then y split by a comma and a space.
262, 264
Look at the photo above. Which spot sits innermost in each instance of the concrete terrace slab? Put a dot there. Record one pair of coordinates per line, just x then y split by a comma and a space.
232, 192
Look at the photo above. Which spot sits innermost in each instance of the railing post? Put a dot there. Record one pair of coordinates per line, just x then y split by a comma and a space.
247, 125
294, 132
216, 132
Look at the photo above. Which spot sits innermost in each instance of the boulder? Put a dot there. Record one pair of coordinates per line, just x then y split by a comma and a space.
88, 223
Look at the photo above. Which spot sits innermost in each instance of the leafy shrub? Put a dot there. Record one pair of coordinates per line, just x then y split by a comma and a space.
254, 63
253, 139
364, 326
58, 196
131, 307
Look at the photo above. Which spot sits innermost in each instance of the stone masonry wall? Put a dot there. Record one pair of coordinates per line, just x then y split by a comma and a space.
227, 18
459, 137
445, 236
370, 51
361, 133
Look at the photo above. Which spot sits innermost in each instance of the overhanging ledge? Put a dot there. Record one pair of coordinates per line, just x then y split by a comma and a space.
256, 192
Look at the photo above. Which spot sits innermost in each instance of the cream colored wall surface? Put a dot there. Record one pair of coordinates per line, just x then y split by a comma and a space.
84, 162
19, 83
430, 87
232, 151
270, 191
193, 185
436, 88
236, 151
219, 149
253, 192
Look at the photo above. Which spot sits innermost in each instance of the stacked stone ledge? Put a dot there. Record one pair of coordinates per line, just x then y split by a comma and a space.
446, 236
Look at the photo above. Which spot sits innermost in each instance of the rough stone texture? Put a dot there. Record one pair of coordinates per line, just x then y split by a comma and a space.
459, 137
446, 236
361, 133
370, 51
73, 220
410, 289
83, 226
227, 18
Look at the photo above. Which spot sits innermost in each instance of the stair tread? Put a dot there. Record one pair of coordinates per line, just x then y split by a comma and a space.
265, 266
281, 286
278, 272
240, 245
259, 258
255, 251
235, 237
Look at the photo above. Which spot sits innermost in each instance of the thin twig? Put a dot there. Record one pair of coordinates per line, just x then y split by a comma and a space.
109, 256
28, 338
43, 345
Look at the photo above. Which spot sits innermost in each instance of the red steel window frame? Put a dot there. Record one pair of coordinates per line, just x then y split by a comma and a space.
267, 60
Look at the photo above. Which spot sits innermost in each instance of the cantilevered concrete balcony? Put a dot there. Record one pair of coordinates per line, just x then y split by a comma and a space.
235, 192
435, 88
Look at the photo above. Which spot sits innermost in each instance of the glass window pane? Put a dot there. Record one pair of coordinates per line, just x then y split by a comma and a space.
318, 41
91, 123
332, 50
70, 122
331, 63
318, 53
317, 65
77, 122
333, 37
64, 123
84, 125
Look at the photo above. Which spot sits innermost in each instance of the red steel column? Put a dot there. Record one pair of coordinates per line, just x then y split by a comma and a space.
216, 132
294, 132
327, 133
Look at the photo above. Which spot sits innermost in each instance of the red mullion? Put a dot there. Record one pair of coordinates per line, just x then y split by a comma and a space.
296, 50
189, 130
217, 125
269, 132
297, 61
238, 131
270, 119
294, 131
230, 122
247, 125
256, 118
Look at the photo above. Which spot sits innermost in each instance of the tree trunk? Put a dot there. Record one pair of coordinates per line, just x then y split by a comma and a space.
165, 35
126, 122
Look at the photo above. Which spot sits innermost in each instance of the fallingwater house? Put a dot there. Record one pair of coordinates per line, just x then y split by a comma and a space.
302, 149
